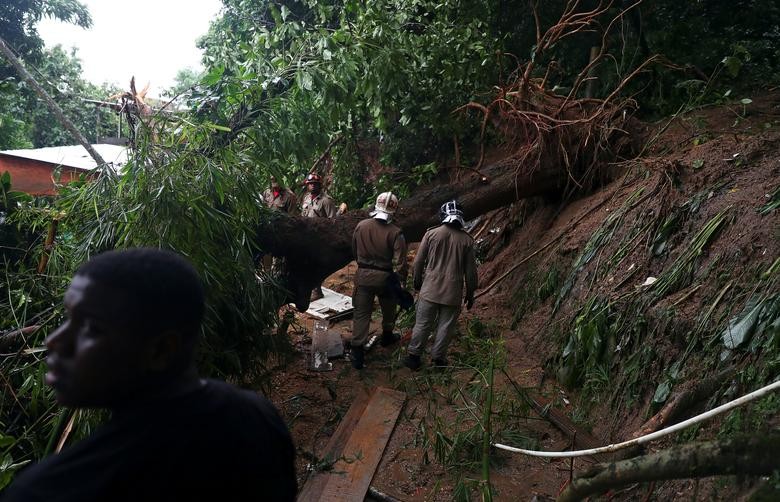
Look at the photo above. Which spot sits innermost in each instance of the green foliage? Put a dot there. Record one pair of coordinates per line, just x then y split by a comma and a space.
485, 411
586, 349
184, 80
26, 122
385, 72
61, 74
172, 195
18, 20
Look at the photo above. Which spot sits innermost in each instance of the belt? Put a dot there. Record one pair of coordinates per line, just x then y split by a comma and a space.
374, 267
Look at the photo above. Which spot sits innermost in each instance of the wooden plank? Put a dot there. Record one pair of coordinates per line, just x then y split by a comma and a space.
349, 480
312, 490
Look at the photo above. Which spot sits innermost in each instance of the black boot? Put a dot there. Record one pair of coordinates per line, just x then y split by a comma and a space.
389, 338
412, 362
357, 357
440, 363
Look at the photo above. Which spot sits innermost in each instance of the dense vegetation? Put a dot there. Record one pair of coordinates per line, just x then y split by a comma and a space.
368, 88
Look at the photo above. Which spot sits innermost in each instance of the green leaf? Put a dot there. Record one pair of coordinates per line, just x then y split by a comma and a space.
698, 163
732, 65
217, 127
741, 327
213, 76
6, 441
662, 392
745, 101
304, 80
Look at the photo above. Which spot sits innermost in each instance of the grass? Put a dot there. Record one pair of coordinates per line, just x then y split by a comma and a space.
466, 408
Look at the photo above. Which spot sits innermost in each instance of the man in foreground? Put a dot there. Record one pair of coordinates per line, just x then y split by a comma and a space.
133, 319
444, 261
379, 248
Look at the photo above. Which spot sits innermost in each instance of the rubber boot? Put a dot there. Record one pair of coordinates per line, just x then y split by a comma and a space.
357, 357
412, 362
389, 338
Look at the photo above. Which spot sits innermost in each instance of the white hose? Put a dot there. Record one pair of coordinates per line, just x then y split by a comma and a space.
649, 437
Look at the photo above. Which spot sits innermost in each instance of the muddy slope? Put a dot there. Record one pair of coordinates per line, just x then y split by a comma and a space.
606, 306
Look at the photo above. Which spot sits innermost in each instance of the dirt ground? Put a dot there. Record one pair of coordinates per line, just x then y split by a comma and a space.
728, 154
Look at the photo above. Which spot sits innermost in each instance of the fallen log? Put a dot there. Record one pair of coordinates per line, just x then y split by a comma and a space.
744, 454
314, 248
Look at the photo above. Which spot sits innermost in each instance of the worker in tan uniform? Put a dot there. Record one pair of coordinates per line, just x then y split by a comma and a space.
316, 204
279, 198
379, 248
445, 261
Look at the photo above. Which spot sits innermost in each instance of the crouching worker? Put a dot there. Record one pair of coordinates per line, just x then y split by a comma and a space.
380, 250
133, 319
444, 261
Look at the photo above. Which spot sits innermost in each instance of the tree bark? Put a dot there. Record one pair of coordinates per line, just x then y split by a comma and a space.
744, 454
314, 248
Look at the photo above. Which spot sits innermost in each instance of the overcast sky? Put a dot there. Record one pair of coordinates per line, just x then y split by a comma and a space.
151, 39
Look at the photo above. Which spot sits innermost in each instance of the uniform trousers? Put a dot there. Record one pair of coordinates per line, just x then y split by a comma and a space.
432, 317
363, 303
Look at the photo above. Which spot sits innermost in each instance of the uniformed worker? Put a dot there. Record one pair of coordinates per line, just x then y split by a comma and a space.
279, 198
444, 262
380, 250
317, 204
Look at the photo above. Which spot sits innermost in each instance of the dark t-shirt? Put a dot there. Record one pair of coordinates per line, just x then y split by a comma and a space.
217, 443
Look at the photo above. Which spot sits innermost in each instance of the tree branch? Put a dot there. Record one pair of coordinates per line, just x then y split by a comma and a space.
744, 454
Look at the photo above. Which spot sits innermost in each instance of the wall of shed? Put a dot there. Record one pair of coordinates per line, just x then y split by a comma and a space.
34, 176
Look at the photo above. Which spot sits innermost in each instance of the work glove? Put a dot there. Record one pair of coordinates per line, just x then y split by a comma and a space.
469, 302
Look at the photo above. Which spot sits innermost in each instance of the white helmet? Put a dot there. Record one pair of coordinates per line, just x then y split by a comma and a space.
385, 206
450, 212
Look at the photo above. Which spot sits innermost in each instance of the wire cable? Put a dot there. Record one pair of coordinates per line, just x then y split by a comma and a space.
648, 437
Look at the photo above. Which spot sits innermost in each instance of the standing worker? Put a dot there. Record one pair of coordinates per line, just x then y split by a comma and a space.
317, 204
444, 261
279, 198
379, 248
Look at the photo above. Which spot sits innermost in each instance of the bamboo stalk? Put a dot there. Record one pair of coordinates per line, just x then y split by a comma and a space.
487, 492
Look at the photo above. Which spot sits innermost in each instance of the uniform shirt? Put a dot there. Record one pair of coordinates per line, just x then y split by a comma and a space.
318, 206
444, 261
282, 200
214, 443
378, 245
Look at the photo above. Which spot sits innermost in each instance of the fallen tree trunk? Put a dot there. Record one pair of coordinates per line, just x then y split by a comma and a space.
744, 454
314, 248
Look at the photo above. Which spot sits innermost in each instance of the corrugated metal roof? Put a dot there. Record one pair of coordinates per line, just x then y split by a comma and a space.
74, 155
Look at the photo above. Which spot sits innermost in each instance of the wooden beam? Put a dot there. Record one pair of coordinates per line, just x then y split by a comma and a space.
362, 437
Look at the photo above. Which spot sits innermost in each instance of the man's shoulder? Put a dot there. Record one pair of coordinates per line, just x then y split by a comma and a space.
434, 228
362, 224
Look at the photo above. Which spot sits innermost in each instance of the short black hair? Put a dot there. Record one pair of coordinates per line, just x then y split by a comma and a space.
162, 290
